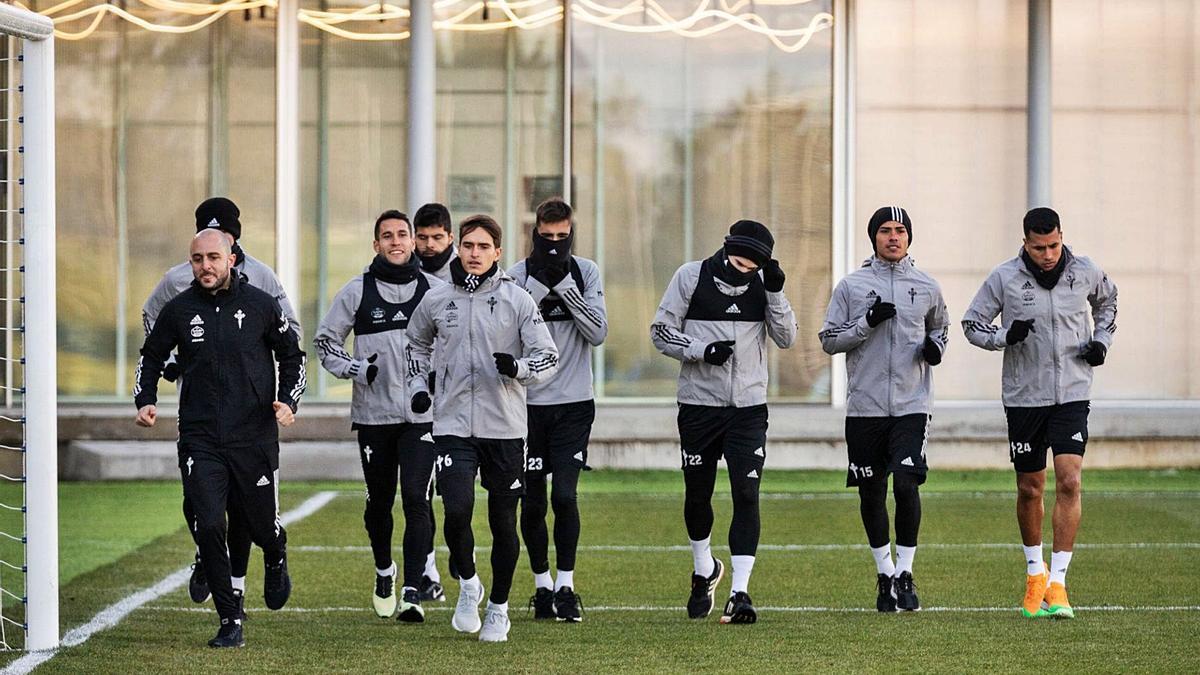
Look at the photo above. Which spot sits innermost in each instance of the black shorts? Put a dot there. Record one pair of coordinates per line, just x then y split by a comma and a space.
708, 433
878, 446
558, 437
1062, 428
499, 461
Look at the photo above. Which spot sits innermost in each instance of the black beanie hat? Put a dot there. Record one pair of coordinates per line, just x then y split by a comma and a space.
750, 239
1042, 220
887, 214
219, 213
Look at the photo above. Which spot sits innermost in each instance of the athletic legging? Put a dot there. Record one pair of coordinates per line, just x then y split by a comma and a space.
458, 500
564, 500
873, 508
698, 513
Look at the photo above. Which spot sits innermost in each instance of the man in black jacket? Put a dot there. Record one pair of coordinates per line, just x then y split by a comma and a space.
226, 332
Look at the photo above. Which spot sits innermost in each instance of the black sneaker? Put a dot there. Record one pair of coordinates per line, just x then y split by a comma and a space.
739, 609
410, 607
277, 583
431, 591
567, 605
198, 583
886, 600
906, 593
700, 603
229, 635
542, 603
240, 598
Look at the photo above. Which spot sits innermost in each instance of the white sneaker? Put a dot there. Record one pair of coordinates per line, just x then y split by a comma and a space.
384, 597
495, 625
466, 614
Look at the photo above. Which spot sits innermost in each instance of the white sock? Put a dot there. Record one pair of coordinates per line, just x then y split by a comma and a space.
389, 572
883, 560
1033, 560
1059, 561
502, 607
543, 580
473, 583
904, 558
239, 583
431, 568
743, 565
702, 559
565, 578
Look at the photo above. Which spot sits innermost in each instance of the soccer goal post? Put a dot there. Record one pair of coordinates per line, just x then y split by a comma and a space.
31, 393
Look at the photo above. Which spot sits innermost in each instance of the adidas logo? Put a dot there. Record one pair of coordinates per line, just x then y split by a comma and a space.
733, 309
557, 311
451, 305
1026, 286
516, 484
399, 316
263, 481
759, 452
213, 223
197, 321
553, 251
579, 456
428, 437
907, 461
1078, 436
872, 293
753, 473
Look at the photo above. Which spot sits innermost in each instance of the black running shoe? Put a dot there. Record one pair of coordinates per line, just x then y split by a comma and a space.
567, 605
906, 593
542, 603
431, 591
198, 583
700, 603
886, 600
277, 583
229, 635
739, 609
240, 598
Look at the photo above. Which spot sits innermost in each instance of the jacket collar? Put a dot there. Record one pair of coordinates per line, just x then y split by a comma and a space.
880, 265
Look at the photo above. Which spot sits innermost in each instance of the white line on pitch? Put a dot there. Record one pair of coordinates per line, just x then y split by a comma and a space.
116, 612
633, 548
661, 608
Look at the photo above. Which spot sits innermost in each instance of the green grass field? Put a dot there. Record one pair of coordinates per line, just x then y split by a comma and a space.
1133, 580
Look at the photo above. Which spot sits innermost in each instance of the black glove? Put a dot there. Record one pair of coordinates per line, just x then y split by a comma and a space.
551, 276
880, 311
931, 352
1094, 353
372, 370
1019, 330
170, 372
505, 364
717, 353
421, 402
773, 276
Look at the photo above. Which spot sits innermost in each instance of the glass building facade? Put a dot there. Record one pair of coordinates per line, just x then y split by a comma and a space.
670, 136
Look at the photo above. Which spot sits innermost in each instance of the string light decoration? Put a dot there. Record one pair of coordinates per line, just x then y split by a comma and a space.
708, 17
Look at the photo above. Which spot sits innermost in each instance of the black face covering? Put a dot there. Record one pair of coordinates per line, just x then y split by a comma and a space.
465, 279
241, 255
386, 272
1047, 279
550, 254
437, 261
725, 271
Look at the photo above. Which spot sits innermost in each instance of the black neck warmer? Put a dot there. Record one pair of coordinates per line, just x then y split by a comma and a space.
1047, 279
550, 254
725, 271
236, 249
403, 273
465, 279
436, 262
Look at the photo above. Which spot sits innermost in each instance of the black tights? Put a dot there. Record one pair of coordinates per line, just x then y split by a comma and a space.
698, 513
873, 507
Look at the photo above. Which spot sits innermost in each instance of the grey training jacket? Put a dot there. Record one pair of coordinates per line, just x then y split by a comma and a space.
578, 321
387, 399
888, 375
742, 380
472, 398
1045, 368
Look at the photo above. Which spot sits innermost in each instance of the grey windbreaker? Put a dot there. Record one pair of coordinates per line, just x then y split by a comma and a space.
577, 320
1044, 369
742, 380
472, 399
387, 399
179, 277
888, 376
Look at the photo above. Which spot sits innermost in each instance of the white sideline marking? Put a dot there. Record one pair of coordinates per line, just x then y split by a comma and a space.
116, 612
620, 548
658, 608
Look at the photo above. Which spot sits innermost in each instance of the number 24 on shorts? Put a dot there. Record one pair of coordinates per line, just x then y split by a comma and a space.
1015, 449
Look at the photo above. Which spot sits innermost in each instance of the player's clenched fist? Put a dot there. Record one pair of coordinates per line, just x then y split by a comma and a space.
146, 415
283, 414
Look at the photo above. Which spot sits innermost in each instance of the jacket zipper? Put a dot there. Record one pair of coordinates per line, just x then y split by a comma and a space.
471, 358
220, 385
1054, 344
891, 333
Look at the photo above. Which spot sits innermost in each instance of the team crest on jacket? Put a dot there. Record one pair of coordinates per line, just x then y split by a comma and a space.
197, 334
377, 313
912, 296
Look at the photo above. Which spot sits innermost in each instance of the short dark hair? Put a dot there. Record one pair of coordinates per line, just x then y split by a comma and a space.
1041, 220
553, 210
480, 221
433, 214
390, 214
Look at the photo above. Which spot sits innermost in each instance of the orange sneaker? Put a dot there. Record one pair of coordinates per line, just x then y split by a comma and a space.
1057, 604
1035, 592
